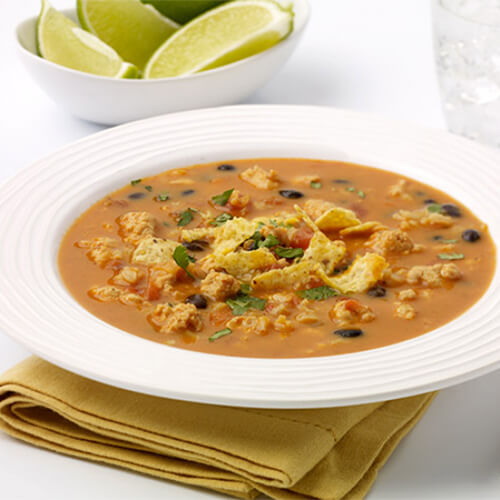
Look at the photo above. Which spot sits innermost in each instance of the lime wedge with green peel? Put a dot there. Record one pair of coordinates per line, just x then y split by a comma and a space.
183, 11
221, 36
63, 42
133, 29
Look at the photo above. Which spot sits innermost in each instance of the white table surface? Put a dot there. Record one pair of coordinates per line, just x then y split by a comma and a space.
368, 55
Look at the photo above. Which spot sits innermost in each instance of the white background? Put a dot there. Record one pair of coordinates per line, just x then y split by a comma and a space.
369, 55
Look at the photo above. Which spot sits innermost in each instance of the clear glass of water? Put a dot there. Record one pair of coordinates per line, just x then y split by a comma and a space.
467, 51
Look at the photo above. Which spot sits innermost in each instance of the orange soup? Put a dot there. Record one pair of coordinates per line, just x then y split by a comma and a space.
277, 258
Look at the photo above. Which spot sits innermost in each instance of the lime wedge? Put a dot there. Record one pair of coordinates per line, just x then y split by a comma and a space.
61, 41
221, 36
183, 11
133, 29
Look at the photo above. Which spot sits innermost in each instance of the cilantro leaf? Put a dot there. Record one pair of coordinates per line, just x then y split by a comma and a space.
163, 196
316, 184
186, 217
242, 303
245, 288
451, 256
350, 189
318, 293
219, 334
182, 259
222, 199
434, 208
361, 194
148, 188
135, 182
221, 219
289, 253
269, 242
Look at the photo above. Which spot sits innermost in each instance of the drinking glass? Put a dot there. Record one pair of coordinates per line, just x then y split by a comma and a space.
467, 52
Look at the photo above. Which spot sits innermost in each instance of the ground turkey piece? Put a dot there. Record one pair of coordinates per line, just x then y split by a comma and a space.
103, 250
391, 241
179, 318
260, 178
404, 311
136, 225
105, 293
238, 200
219, 286
350, 311
398, 190
251, 323
432, 276
316, 208
127, 276
422, 217
408, 294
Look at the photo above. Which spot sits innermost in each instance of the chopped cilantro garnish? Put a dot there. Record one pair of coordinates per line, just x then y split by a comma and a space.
222, 199
451, 256
219, 334
163, 196
269, 242
434, 208
289, 253
318, 293
182, 259
273, 222
148, 188
166, 224
135, 182
242, 303
221, 219
186, 217
448, 242
316, 184
350, 189
361, 194
245, 288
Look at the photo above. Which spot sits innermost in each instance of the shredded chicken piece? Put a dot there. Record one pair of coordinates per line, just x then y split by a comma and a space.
432, 276
179, 318
281, 303
422, 217
409, 294
103, 251
128, 275
392, 241
306, 314
404, 311
238, 200
252, 323
398, 190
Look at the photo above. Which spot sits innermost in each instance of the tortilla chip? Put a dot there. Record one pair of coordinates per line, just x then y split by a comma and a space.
325, 251
306, 218
337, 218
294, 276
243, 265
152, 251
363, 228
362, 275
232, 234
200, 233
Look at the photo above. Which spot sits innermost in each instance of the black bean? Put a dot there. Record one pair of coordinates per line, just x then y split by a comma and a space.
451, 210
226, 168
471, 235
187, 192
430, 201
377, 291
136, 196
349, 332
437, 237
198, 300
291, 194
195, 245
341, 181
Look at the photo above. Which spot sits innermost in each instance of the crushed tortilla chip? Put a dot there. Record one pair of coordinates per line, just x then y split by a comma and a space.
364, 228
306, 218
337, 218
325, 251
152, 251
232, 234
294, 276
243, 265
198, 234
362, 275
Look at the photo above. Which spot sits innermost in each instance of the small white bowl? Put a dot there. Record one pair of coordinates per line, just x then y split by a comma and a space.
112, 101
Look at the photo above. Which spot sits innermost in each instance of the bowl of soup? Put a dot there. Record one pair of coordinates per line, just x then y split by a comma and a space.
265, 256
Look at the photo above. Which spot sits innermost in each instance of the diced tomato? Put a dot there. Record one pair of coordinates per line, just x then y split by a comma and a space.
301, 238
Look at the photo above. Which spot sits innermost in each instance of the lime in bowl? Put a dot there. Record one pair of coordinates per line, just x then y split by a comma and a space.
103, 75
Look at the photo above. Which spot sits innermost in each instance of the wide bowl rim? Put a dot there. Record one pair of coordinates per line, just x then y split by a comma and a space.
298, 28
309, 376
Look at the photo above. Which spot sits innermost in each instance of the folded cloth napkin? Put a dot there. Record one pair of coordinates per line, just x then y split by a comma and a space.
326, 454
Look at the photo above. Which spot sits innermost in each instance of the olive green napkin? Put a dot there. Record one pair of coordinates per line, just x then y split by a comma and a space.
325, 454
